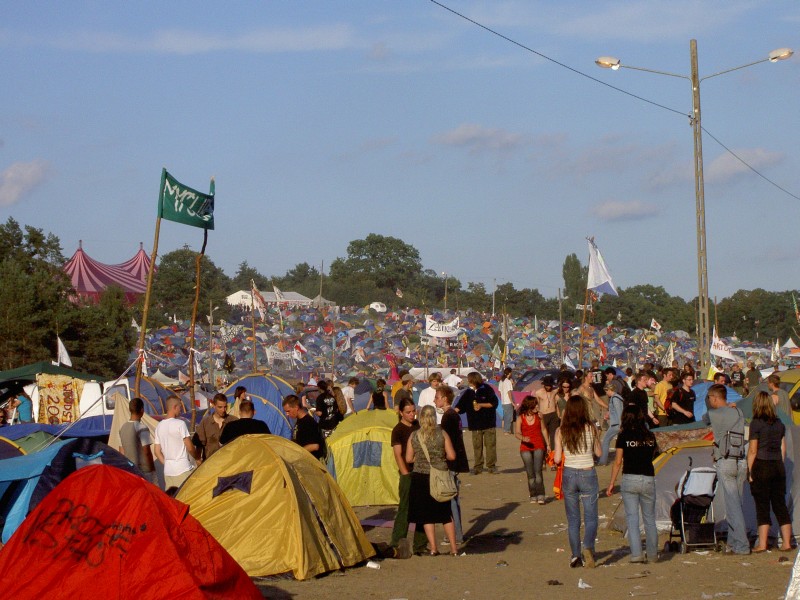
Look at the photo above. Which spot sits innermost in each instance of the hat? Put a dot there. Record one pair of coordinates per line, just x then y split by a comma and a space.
407, 377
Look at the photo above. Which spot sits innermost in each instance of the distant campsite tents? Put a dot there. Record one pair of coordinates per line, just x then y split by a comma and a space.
105, 533
361, 459
275, 508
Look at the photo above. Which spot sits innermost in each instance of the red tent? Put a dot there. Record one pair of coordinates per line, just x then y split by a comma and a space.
105, 533
90, 277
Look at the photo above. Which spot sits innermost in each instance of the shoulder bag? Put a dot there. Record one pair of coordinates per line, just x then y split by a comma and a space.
442, 484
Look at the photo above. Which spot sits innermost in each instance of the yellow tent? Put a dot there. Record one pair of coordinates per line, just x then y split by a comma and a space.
361, 460
275, 509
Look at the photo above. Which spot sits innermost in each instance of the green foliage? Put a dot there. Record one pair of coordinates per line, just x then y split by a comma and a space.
246, 276
636, 306
757, 314
107, 325
173, 288
389, 261
575, 278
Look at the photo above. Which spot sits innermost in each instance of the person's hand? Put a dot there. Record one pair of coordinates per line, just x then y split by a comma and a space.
526, 439
690, 415
656, 421
610, 490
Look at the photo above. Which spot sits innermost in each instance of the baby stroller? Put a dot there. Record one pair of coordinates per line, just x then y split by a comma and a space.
692, 513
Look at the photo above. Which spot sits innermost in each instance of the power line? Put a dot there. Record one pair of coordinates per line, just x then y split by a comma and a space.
615, 88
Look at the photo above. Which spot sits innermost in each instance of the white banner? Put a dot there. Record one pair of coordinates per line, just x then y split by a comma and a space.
720, 348
441, 330
273, 354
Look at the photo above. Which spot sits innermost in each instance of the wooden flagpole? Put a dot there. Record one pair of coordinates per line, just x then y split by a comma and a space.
253, 317
150, 273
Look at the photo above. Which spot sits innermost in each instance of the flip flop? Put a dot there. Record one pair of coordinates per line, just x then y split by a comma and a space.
758, 550
786, 549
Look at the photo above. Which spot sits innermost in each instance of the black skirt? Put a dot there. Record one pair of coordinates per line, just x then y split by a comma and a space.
422, 508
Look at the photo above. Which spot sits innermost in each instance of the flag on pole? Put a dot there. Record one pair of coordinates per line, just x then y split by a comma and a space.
776, 351
669, 355
258, 300
655, 325
569, 363
183, 204
279, 297
398, 293
720, 348
599, 279
63, 356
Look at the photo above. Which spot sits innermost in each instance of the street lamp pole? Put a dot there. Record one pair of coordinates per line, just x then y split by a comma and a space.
610, 62
445, 289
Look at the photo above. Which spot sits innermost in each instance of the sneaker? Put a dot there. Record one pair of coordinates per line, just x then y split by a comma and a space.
575, 562
588, 558
476, 471
533, 499
638, 559
541, 500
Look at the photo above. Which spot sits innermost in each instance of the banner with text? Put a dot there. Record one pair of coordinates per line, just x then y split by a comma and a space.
441, 330
183, 204
59, 397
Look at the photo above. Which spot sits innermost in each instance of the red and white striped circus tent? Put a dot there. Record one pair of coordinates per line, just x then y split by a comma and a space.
90, 277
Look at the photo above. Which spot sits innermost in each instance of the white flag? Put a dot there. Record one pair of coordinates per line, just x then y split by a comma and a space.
63, 356
655, 325
599, 277
569, 363
408, 352
720, 348
278, 295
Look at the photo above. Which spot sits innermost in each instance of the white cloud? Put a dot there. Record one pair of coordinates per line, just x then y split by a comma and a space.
477, 138
616, 210
185, 42
726, 167
20, 179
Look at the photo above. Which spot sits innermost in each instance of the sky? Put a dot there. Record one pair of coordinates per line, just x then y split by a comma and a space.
324, 121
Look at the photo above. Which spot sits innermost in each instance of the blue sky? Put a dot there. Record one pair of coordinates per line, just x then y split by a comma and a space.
325, 121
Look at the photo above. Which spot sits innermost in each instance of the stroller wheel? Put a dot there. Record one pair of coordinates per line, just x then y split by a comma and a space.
684, 548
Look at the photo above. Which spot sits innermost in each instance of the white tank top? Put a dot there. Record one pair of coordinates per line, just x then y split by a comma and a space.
584, 459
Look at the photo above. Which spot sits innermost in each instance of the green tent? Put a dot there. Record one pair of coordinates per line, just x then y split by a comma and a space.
28, 373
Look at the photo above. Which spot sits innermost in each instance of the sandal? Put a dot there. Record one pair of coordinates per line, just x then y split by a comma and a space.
434, 553
758, 550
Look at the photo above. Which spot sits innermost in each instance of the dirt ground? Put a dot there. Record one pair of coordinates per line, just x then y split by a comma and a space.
514, 547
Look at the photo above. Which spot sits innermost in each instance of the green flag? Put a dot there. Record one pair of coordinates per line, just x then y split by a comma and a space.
183, 204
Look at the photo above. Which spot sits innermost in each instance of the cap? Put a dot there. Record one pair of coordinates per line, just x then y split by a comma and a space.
407, 377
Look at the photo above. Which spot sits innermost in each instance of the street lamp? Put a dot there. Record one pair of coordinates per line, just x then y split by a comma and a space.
444, 275
613, 63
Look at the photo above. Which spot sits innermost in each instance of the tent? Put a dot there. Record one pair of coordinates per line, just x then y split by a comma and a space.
10, 449
105, 533
267, 393
361, 459
26, 480
275, 508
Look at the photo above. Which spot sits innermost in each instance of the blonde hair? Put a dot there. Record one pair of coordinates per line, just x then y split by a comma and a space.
763, 408
427, 422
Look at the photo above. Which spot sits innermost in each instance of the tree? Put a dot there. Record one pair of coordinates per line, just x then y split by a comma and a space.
244, 277
575, 278
388, 261
109, 337
173, 289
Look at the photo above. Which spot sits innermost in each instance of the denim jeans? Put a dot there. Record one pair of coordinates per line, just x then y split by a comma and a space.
455, 508
533, 461
639, 492
580, 486
508, 418
606, 444
731, 474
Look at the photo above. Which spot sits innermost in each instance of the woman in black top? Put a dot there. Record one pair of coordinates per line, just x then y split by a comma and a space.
636, 449
766, 472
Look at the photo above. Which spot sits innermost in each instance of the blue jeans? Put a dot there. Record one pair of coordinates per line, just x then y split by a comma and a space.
533, 462
580, 486
731, 474
508, 418
606, 443
639, 492
455, 508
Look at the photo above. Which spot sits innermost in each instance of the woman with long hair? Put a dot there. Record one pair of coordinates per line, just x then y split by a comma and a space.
529, 429
423, 509
563, 393
766, 471
379, 399
577, 445
636, 449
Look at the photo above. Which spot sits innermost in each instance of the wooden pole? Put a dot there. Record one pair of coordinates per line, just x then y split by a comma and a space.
253, 317
583, 327
150, 273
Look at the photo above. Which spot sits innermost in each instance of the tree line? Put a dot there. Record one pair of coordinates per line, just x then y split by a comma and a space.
38, 303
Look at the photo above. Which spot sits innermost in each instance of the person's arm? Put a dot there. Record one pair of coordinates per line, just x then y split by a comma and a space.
752, 450
187, 441
545, 435
518, 430
598, 451
410, 451
615, 471
148, 456
783, 448
449, 451
558, 451
159, 454
398, 458
599, 400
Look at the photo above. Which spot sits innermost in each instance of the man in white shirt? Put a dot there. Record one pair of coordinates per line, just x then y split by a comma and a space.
349, 393
427, 397
453, 380
173, 445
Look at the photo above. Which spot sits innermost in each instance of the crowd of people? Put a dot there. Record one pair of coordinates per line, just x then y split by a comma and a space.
569, 423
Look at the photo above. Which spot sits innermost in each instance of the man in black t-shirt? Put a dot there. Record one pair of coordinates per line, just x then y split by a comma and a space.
327, 410
644, 379
244, 425
305, 432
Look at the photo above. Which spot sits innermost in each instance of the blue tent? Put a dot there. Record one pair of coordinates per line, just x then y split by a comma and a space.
88, 427
267, 393
26, 480
701, 392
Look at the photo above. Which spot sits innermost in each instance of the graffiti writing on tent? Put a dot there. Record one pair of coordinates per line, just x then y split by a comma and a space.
71, 532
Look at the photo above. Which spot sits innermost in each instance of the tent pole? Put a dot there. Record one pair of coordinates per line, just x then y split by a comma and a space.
583, 327
197, 262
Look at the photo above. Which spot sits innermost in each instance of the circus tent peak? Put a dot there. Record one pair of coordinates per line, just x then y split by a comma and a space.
90, 277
